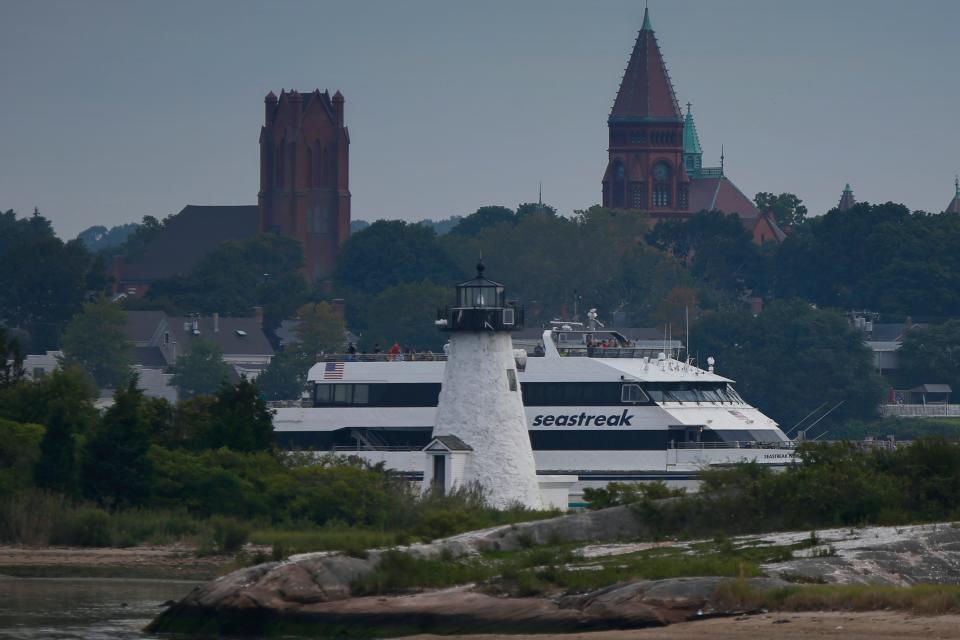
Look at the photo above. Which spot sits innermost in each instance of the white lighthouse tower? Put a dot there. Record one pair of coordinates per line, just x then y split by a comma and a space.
481, 429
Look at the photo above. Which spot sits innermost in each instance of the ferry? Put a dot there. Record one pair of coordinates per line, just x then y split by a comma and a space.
598, 406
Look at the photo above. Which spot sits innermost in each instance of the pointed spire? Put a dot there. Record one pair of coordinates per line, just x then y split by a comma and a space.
847, 201
691, 141
646, 90
540, 197
954, 206
721, 161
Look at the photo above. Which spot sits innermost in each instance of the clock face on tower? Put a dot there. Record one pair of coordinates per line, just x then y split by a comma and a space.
660, 172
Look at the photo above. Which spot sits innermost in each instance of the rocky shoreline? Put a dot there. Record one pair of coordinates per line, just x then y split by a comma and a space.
312, 594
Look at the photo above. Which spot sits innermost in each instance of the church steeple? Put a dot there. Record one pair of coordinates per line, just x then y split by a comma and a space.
954, 206
646, 92
692, 153
847, 201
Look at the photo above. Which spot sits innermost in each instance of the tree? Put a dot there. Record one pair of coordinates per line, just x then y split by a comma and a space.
321, 329
240, 419
43, 281
96, 340
19, 452
483, 218
116, 470
68, 388
286, 377
931, 355
11, 360
405, 314
791, 359
788, 209
57, 468
261, 271
527, 208
390, 252
201, 371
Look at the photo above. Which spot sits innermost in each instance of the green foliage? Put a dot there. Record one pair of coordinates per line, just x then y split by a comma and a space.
11, 360
899, 428
229, 535
409, 321
790, 359
788, 210
261, 271
321, 329
619, 493
57, 467
43, 297
921, 599
19, 452
116, 469
98, 237
96, 341
286, 376
391, 252
67, 388
483, 218
239, 419
878, 257
201, 371
931, 355
832, 485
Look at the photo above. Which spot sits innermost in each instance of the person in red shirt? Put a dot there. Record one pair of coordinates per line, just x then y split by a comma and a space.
395, 351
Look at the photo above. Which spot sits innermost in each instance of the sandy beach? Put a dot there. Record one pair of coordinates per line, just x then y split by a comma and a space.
778, 626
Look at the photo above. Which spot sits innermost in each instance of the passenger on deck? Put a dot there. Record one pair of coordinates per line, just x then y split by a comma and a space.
395, 352
538, 351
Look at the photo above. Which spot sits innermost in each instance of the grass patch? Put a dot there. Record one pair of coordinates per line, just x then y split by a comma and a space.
347, 539
925, 599
398, 572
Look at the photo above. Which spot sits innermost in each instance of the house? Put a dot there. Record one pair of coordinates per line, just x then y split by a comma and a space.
159, 339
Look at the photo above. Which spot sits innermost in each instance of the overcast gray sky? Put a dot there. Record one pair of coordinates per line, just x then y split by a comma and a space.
113, 110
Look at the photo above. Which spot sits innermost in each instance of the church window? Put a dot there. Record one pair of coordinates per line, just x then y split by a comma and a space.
639, 193
683, 196
279, 169
661, 195
318, 220
638, 137
619, 176
309, 167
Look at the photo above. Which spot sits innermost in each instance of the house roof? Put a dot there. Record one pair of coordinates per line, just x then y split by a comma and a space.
150, 357
141, 325
251, 341
452, 443
188, 236
932, 388
719, 194
646, 92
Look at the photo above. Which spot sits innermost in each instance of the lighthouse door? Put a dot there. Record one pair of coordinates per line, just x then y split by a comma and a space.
440, 474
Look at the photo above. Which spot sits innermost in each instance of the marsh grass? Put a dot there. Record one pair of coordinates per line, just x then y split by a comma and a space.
924, 599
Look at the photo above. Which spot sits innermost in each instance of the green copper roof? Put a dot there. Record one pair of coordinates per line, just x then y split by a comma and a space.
847, 188
691, 141
646, 20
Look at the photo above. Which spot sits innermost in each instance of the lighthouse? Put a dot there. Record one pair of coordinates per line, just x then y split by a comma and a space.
480, 434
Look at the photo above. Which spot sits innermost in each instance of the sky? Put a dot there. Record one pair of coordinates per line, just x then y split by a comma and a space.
110, 111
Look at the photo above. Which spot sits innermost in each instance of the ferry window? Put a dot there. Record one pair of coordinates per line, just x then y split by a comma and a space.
361, 394
512, 379
633, 393
341, 393
656, 395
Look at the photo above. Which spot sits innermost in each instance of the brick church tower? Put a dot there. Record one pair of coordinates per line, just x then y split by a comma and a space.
304, 175
646, 160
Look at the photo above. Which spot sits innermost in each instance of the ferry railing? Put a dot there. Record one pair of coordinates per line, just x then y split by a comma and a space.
382, 357
920, 410
738, 444
607, 352
366, 447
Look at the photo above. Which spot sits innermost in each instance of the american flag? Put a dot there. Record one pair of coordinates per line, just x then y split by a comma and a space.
333, 371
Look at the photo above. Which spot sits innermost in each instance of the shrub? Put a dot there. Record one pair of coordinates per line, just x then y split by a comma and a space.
228, 535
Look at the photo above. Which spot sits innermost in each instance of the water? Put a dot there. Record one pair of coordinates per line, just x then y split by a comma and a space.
88, 609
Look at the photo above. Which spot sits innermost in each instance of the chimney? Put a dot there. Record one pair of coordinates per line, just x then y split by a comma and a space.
338, 107
258, 316
216, 322
269, 108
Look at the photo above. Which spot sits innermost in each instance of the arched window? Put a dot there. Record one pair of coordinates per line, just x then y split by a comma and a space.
619, 179
661, 185
278, 165
309, 167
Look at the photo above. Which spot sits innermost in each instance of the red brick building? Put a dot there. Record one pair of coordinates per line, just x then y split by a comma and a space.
655, 162
304, 175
